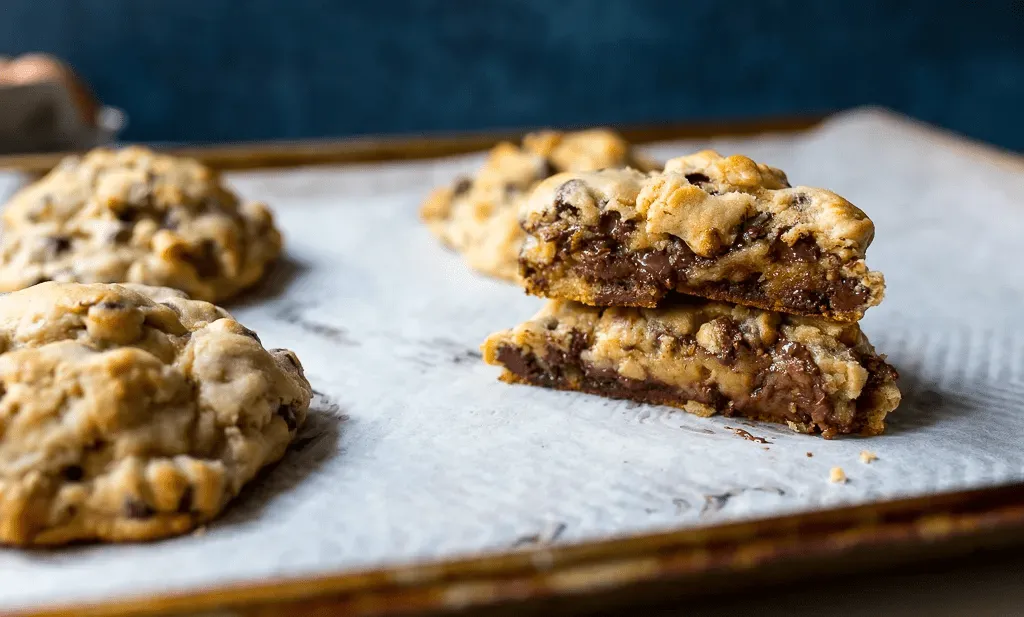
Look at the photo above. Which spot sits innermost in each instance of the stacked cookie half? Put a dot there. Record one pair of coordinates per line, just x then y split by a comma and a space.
713, 286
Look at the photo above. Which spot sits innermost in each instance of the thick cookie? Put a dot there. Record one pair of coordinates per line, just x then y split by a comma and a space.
134, 216
131, 412
724, 228
706, 358
479, 217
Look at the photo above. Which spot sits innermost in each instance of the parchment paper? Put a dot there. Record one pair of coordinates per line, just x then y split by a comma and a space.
414, 450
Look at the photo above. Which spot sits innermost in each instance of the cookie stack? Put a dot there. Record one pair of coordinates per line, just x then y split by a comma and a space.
713, 286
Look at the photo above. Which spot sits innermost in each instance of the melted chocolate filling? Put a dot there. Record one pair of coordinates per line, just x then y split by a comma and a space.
787, 385
640, 278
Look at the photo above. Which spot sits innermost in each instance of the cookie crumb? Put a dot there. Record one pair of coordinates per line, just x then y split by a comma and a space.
810, 454
837, 475
866, 457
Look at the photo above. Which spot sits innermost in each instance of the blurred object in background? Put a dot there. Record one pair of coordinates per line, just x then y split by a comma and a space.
44, 107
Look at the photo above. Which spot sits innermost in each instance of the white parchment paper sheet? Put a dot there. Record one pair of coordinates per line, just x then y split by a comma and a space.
415, 451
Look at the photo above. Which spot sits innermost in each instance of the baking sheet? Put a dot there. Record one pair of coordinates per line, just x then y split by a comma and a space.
414, 450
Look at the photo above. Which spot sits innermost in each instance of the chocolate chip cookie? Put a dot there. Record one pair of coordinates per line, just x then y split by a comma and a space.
707, 357
135, 216
724, 228
131, 412
479, 217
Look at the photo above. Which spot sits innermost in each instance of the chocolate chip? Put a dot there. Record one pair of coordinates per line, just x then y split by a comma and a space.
134, 508
462, 186
251, 334
755, 228
59, 244
287, 414
174, 308
185, 502
801, 199
658, 266
547, 170
611, 224
564, 193
697, 178
289, 355
204, 259
128, 214
804, 250
122, 235
72, 473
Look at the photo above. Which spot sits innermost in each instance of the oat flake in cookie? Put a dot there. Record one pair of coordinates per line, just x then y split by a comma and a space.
479, 217
724, 228
134, 216
131, 412
707, 357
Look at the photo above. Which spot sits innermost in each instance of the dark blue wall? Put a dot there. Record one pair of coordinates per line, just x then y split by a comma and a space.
205, 70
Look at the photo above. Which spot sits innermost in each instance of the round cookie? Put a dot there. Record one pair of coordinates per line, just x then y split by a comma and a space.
131, 412
135, 216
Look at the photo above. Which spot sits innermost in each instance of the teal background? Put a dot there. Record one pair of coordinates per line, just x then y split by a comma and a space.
223, 70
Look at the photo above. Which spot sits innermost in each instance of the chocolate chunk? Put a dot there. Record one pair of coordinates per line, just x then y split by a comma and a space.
563, 194
128, 214
804, 250
514, 360
729, 333
801, 199
697, 178
287, 413
848, 295
59, 244
755, 228
122, 235
611, 224
556, 356
792, 388
133, 508
462, 186
658, 267
72, 473
547, 170
185, 501
204, 259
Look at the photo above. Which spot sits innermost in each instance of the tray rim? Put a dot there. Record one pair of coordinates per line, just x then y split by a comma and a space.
672, 564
